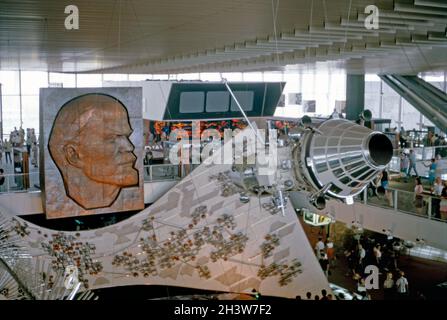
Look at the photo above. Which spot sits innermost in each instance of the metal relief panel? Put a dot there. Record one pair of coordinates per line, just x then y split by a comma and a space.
92, 144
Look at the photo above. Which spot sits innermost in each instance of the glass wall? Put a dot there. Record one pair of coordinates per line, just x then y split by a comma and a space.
385, 103
306, 92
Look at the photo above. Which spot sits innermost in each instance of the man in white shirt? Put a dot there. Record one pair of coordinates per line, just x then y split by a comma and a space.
402, 285
319, 247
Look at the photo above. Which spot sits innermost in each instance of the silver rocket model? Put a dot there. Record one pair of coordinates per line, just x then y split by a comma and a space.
334, 158
337, 158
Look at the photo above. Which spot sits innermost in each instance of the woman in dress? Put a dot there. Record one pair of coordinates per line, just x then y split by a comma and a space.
418, 197
432, 171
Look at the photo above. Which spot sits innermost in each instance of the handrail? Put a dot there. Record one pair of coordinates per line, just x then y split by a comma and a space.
15, 182
423, 155
403, 202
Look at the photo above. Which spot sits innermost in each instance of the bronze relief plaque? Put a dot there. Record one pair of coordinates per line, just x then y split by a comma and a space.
92, 145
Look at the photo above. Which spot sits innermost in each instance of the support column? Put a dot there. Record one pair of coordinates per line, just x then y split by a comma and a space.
355, 95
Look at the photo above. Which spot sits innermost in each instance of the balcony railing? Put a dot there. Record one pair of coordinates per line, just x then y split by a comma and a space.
404, 201
423, 157
29, 182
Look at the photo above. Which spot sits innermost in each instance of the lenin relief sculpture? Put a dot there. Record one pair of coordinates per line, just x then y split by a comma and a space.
89, 143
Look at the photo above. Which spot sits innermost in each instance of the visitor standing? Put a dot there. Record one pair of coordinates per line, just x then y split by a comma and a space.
412, 160
418, 197
404, 164
388, 286
8, 150
319, 247
436, 200
402, 286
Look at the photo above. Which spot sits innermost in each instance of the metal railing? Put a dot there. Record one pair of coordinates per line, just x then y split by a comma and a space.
423, 156
20, 182
29, 182
166, 172
160, 172
425, 153
404, 201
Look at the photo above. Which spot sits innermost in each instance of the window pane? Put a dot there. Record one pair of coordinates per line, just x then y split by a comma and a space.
371, 77
245, 99
30, 112
160, 77
338, 86
66, 79
139, 77
192, 102
252, 76
11, 113
434, 77
10, 82
322, 83
272, 76
217, 101
188, 76
210, 76
115, 77
293, 85
308, 86
32, 81
232, 76
410, 116
372, 102
89, 81
391, 109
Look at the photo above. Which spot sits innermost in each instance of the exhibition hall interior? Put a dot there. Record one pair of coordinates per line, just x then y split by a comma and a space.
223, 150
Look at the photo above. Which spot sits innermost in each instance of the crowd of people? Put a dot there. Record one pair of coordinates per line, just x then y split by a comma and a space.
404, 140
323, 297
384, 255
358, 252
13, 148
438, 187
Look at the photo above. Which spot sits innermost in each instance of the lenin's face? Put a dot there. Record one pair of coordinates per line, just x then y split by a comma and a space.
104, 150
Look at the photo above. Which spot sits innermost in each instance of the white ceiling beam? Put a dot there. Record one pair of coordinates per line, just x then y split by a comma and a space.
431, 3
359, 29
412, 16
340, 31
403, 7
400, 21
382, 25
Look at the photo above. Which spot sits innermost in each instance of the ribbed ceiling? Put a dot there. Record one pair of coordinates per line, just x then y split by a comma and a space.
172, 36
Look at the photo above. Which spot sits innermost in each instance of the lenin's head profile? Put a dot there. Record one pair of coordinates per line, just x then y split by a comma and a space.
90, 145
